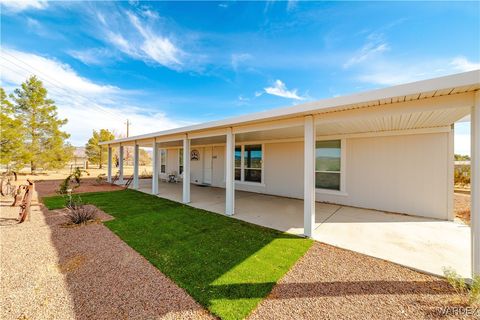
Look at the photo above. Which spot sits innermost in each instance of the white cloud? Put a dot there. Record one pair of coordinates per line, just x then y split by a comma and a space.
238, 58
280, 89
93, 56
390, 72
223, 5
87, 105
141, 42
17, 6
26, 64
375, 45
463, 64
158, 48
292, 4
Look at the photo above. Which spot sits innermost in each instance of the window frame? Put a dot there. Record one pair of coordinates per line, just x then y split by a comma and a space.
163, 160
180, 163
342, 172
242, 165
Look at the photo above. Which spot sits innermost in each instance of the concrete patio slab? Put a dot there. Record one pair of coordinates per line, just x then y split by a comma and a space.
425, 244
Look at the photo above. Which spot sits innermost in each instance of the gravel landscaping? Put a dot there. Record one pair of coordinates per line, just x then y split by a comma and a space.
462, 207
332, 283
86, 272
50, 187
49, 271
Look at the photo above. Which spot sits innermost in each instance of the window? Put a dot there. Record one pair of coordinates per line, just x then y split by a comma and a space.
328, 156
248, 163
238, 163
180, 161
163, 161
252, 158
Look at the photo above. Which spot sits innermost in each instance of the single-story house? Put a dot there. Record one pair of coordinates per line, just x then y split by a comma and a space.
389, 149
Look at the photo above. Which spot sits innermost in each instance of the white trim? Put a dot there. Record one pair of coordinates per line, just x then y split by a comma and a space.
136, 155
186, 170
109, 164
450, 174
120, 164
320, 191
180, 151
342, 172
309, 193
164, 152
229, 173
242, 164
250, 183
155, 168
475, 185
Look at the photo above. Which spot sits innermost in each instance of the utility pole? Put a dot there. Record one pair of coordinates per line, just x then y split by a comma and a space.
128, 123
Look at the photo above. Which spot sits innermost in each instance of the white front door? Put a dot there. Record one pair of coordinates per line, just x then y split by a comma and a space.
207, 165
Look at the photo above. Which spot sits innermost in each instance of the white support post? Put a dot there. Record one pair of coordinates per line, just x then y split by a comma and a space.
109, 165
230, 173
186, 170
475, 184
120, 165
136, 154
155, 168
450, 173
309, 177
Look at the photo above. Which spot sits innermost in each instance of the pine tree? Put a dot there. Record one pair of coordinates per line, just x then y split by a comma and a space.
96, 153
12, 151
45, 143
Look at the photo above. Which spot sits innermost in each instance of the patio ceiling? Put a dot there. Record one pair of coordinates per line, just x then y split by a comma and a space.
402, 107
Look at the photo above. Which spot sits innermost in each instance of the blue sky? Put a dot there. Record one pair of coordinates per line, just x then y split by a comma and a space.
167, 64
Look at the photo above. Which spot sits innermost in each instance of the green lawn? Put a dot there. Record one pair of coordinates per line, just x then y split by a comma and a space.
227, 265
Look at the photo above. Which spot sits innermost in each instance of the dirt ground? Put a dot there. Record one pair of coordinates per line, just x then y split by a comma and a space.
53, 272
49, 271
50, 187
462, 207
333, 283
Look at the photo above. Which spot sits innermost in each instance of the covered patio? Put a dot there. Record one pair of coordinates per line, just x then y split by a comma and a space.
420, 243
394, 149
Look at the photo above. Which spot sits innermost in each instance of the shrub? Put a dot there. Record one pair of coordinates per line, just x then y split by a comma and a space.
461, 287
474, 297
462, 175
100, 178
78, 212
455, 280
75, 176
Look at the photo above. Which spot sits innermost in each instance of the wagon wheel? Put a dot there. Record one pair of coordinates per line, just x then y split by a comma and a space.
26, 203
7, 188
18, 194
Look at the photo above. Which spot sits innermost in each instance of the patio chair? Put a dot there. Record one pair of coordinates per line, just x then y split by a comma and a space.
129, 181
172, 176
179, 178
163, 177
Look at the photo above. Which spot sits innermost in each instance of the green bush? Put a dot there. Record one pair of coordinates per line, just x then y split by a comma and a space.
461, 287
462, 175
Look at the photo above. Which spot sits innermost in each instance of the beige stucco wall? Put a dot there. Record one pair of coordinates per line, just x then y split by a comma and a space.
405, 174
172, 160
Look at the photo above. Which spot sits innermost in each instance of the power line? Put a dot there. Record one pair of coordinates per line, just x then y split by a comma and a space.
49, 80
94, 104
